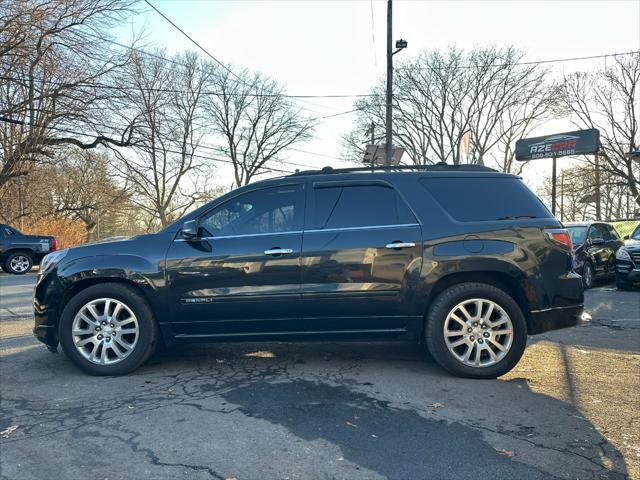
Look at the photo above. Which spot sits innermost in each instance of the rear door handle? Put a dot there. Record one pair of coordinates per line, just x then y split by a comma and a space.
396, 245
278, 251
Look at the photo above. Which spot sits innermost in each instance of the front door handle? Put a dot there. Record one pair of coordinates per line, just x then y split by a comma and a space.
278, 251
397, 245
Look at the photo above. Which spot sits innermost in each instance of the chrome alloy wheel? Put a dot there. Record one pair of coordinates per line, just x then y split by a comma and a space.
478, 332
105, 331
19, 263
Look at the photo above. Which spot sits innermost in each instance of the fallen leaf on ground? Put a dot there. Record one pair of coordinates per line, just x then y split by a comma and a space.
8, 431
506, 453
437, 405
351, 424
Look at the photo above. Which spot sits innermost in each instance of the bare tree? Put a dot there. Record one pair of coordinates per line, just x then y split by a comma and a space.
166, 100
56, 77
577, 197
79, 187
255, 120
609, 100
441, 96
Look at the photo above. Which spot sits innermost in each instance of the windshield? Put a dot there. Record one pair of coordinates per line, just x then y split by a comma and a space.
578, 234
636, 233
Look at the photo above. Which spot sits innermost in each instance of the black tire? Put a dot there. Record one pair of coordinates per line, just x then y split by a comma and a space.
148, 331
587, 276
25, 257
623, 285
435, 322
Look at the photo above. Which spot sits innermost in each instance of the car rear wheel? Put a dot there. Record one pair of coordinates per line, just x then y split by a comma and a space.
18, 263
587, 276
476, 330
107, 329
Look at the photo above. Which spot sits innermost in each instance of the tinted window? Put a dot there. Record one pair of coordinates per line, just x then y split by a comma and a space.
9, 232
359, 206
578, 234
614, 233
470, 199
270, 210
636, 233
606, 232
599, 231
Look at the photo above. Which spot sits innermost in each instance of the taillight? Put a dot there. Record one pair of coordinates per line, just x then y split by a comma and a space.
54, 245
560, 235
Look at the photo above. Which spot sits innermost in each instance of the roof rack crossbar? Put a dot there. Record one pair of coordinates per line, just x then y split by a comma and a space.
396, 168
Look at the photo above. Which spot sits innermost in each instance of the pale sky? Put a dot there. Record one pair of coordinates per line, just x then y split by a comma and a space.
327, 47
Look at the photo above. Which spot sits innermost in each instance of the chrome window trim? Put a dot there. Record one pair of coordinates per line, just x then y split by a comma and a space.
367, 227
295, 232
216, 237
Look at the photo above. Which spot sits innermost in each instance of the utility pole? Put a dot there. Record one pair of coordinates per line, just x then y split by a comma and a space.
562, 196
388, 152
553, 188
598, 209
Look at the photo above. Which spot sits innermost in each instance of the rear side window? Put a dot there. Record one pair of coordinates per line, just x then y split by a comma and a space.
473, 199
359, 206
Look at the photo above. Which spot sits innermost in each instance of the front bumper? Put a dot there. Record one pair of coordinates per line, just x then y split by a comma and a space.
46, 299
555, 318
626, 272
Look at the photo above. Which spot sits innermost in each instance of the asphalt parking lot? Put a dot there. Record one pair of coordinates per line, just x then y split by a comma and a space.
570, 409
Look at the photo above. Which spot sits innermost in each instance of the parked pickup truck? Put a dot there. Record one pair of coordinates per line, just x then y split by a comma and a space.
19, 252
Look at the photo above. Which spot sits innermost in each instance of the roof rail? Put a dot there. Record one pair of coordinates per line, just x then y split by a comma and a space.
437, 167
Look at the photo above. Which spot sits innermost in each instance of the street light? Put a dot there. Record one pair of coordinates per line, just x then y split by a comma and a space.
400, 44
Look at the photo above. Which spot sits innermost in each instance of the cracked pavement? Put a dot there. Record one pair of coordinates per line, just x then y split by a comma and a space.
570, 409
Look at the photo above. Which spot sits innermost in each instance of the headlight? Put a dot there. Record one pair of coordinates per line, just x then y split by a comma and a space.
622, 254
50, 260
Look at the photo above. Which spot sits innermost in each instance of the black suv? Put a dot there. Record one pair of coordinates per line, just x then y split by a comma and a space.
594, 250
628, 262
464, 259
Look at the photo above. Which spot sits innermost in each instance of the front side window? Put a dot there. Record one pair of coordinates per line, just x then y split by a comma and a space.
269, 210
10, 232
613, 232
359, 206
599, 231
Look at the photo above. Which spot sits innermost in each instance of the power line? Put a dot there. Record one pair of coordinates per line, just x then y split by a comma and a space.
206, 52
205, 92
195, 43
373, 36
533, 62
315, 154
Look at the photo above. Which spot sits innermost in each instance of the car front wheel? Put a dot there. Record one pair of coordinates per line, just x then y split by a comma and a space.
107, 329
476, 330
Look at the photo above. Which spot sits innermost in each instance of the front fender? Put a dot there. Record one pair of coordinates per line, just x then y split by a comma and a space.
145, 274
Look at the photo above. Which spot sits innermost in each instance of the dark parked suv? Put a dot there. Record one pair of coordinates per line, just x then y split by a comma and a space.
594, 250
464, 259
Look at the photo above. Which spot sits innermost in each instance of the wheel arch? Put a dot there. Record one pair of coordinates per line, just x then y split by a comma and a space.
512, 285
81, 285
7, 253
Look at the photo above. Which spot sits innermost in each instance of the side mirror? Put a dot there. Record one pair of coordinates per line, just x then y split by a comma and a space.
597, 241
190, 229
